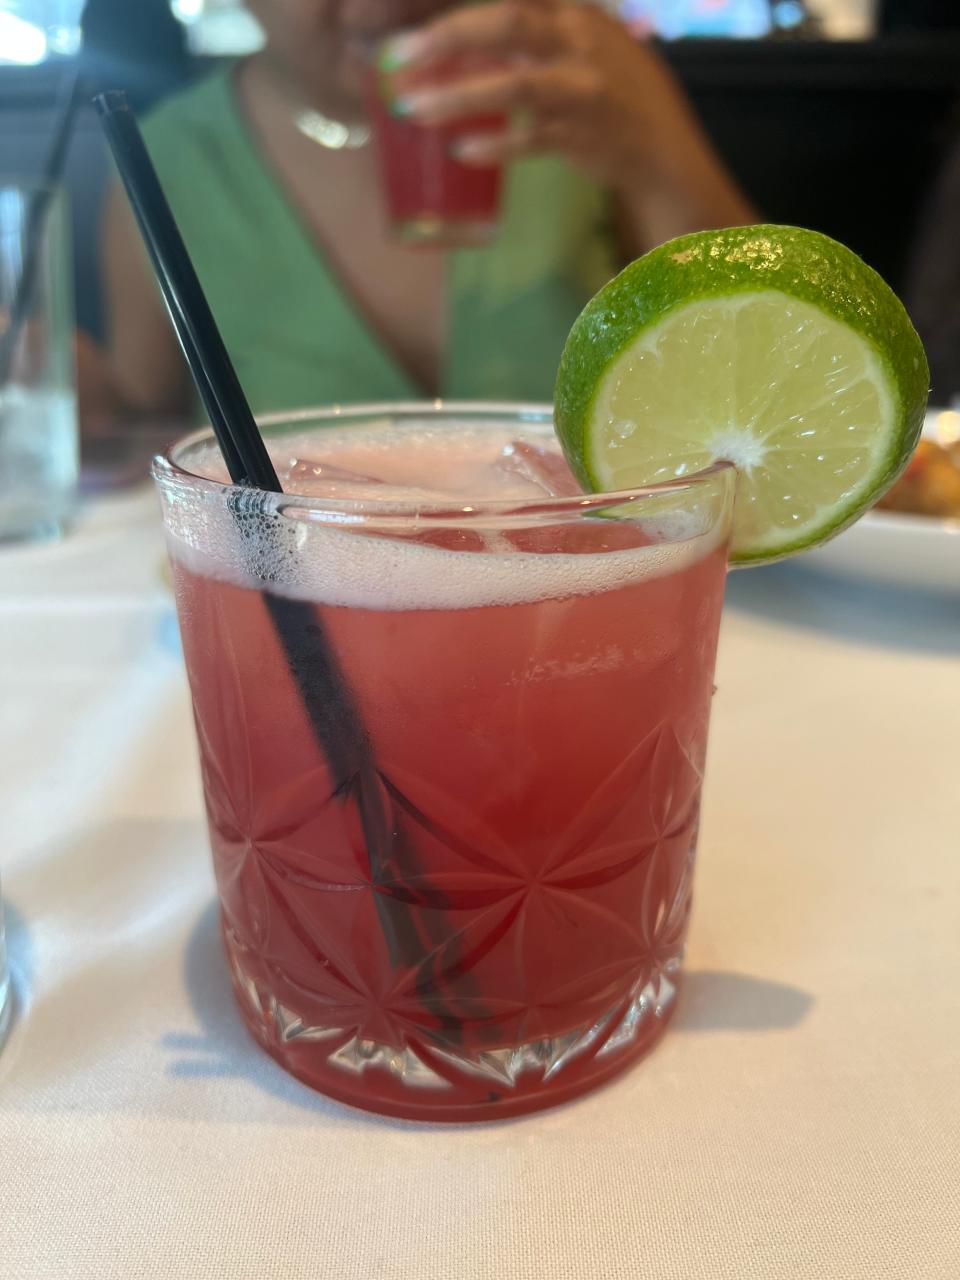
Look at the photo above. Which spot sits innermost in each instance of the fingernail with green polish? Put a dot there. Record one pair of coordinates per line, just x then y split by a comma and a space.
399, 51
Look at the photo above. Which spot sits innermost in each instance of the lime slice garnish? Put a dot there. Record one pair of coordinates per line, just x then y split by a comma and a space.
774, 348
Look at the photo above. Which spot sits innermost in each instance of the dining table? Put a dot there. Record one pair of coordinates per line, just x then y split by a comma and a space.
800, 1119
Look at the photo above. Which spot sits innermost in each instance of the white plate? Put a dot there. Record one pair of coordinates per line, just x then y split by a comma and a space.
898, 550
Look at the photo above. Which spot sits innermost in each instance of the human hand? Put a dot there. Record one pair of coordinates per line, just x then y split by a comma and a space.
574, 79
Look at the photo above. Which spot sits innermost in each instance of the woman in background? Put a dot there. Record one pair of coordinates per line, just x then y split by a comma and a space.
316, 301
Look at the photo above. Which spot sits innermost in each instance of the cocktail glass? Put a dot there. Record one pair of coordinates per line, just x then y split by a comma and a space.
532, 669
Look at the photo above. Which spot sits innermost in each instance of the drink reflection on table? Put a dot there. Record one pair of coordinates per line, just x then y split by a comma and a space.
317, 300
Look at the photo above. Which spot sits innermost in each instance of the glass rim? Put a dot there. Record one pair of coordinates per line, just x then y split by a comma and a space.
167, 471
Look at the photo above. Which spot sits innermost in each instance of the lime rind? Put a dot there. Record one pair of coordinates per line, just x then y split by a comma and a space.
734, 265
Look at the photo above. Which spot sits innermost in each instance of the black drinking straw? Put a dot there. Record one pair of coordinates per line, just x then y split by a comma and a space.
328, 702
36, 221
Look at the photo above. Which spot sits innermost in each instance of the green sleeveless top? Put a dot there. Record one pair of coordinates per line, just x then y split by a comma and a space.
294, 335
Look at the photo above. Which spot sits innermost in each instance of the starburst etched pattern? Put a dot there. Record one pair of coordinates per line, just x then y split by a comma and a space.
452, 774
514, 973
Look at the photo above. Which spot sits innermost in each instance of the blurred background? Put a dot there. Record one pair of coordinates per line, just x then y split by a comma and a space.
837, 114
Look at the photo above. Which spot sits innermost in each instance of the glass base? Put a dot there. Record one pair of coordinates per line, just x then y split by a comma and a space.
432, 230
434, 1080
34, 522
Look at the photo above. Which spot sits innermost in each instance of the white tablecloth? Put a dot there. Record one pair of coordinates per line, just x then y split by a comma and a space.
801, 1119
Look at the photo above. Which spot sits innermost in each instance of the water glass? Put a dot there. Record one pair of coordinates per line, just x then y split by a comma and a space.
38, 418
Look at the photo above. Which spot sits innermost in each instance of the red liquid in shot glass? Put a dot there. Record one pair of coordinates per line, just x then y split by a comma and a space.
431, 197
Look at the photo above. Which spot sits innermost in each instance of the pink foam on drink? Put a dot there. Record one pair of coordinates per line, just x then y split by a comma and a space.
425, 475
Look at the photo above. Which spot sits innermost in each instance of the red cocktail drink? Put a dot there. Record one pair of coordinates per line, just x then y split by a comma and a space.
431, 197
533, 671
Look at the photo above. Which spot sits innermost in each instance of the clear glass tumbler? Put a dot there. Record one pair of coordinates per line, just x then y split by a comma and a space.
452, 739
38, 418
